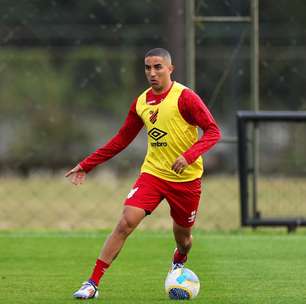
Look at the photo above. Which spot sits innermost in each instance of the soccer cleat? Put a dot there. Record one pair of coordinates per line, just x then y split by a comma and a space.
175, 266
88, 290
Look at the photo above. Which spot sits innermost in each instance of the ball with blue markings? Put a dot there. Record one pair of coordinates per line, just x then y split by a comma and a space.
182, 284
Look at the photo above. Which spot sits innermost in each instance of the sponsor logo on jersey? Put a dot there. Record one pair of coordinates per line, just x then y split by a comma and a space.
157, 134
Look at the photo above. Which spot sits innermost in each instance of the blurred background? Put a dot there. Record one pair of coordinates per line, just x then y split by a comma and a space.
70, 70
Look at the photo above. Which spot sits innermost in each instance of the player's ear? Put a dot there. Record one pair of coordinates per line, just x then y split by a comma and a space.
171, 68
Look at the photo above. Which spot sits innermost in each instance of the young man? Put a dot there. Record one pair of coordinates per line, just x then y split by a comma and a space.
172, 168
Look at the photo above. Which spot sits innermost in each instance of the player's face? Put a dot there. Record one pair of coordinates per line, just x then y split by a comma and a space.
158, 71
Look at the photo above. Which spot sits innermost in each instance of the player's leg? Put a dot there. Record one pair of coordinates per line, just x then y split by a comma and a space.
141, 201
129, 220
183, 199
183, 239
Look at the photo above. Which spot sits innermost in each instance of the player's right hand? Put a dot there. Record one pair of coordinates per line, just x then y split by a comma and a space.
76, 175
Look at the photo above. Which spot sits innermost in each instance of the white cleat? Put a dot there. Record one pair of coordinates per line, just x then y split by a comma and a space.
175, 266
87, 291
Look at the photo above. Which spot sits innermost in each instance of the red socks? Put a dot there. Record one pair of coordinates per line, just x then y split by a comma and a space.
101, 267
98, 271
179, 258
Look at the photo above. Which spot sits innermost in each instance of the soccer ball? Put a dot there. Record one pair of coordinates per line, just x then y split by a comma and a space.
182, 284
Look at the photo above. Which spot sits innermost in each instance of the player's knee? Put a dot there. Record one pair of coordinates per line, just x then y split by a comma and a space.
125, 227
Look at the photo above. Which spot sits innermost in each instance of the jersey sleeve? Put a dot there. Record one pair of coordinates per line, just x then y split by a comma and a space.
129, 130
195, 112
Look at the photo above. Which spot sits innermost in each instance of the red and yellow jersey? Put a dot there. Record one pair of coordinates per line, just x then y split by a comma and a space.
169, 136
191, 108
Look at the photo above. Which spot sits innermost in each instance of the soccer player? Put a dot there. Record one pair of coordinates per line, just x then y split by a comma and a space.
171, 170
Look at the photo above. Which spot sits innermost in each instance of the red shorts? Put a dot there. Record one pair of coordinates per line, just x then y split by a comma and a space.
183, 198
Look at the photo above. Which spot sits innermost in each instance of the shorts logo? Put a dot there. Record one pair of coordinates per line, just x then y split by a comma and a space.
132, 192
192, 216
156, 134
153, 116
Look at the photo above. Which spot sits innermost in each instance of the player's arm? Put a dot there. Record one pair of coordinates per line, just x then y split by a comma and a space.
129, 130
196, 113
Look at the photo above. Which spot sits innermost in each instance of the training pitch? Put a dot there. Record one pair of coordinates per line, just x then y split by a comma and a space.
242, 267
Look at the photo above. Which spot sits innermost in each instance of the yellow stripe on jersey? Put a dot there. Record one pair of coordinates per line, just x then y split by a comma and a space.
169, 136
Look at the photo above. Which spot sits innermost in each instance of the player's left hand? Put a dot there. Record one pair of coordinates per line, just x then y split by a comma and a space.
179, 165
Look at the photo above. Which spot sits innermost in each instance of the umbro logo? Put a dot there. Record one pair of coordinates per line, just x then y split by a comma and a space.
157, 134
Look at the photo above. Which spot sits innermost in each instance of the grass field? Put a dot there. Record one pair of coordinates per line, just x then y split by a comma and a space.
242, 267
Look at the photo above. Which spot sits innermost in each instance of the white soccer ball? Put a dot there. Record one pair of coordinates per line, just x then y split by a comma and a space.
182, 284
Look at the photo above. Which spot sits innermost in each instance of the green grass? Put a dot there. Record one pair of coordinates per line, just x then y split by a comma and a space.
241, 267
